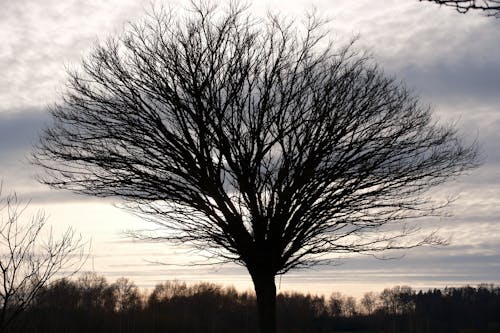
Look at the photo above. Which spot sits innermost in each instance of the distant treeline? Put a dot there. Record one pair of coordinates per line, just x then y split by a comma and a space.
91, 304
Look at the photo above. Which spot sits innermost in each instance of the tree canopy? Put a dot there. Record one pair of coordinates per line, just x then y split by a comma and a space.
257, 139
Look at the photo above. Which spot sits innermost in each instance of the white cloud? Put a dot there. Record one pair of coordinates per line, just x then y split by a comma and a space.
40, 37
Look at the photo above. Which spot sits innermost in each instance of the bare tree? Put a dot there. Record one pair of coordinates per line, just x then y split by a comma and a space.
490, 7
397, 300
336, 304
258, 140
96, 293
127, 296
369, 302
27, 260
350, 306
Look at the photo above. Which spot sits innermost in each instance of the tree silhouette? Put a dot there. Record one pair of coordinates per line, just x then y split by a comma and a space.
336, 304
29, 258
126, 295
369, 302
257, 140
205, 308
490, 7
95, 293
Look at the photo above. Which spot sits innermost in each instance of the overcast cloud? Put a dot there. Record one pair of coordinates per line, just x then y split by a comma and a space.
452, 61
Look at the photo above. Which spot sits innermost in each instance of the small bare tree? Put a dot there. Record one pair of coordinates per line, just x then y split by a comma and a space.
336, 304
369, 302
255, 139
127, 296
28, 259
489, 7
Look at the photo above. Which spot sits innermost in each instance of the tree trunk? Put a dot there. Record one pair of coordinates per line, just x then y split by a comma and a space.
265, 290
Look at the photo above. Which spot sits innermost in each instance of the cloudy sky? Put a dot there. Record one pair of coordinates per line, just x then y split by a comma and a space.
451, 60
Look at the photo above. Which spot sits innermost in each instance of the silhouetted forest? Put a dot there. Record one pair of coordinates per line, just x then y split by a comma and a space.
91, 304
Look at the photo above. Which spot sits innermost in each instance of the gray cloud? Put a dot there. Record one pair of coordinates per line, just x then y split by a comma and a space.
433, 271
20, 129
445, 56
452, 61
465, 82
19, 132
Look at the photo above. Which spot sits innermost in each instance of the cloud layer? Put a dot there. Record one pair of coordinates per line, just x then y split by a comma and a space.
452, 61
